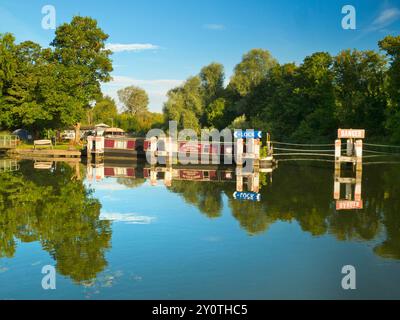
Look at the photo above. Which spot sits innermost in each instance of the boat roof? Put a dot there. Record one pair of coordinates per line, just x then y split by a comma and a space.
114, 130
102, 125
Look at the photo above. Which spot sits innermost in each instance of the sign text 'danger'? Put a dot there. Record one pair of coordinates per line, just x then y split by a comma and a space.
351, 133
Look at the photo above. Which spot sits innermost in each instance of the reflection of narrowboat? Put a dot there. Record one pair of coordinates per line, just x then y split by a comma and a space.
195, 174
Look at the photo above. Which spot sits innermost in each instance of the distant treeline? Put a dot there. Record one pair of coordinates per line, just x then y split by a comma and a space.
306, 102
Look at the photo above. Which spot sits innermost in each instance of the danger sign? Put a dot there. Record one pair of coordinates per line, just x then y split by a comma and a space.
351, 134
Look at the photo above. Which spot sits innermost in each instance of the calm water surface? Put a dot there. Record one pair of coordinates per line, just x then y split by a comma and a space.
129, 238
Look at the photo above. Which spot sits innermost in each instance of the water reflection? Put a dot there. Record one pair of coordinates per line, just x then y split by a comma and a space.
301, 193
52, 206
48, 202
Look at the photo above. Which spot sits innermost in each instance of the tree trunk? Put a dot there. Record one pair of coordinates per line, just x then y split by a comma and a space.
77, 133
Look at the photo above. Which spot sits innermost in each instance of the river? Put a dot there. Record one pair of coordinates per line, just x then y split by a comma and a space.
119, 232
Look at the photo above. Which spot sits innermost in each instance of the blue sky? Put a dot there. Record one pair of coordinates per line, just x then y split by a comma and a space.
166, 41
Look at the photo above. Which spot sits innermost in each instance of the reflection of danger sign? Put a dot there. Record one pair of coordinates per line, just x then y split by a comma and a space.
191, 174
351, 134
348, 205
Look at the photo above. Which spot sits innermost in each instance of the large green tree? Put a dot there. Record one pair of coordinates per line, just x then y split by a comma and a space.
251, 71
82, 63
8, 69
105, 110
8, 63
361, 101
212, 81
185, 104
135, 100
316, 98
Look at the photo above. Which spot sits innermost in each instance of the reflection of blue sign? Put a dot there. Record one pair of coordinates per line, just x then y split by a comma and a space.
248, 134
251, 196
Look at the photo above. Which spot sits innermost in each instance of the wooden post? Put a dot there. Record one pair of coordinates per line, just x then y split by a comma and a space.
357, 190
338, 148
336, 186
256, 149
338, 153
336, 190
348, 191
350, 147
359, 150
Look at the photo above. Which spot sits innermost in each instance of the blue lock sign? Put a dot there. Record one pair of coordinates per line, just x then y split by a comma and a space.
247, 134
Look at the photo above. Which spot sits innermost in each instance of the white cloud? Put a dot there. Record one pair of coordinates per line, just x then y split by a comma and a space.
129, 218
156, 89
119, 47
385, 18
214, 26
109, 186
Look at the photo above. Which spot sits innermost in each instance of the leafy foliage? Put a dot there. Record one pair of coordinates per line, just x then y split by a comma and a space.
52, 88
306, 102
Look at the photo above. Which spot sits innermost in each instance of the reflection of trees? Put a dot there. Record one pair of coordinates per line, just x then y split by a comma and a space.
55, 209
206, 196
390, 206
251, 216
304, 193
